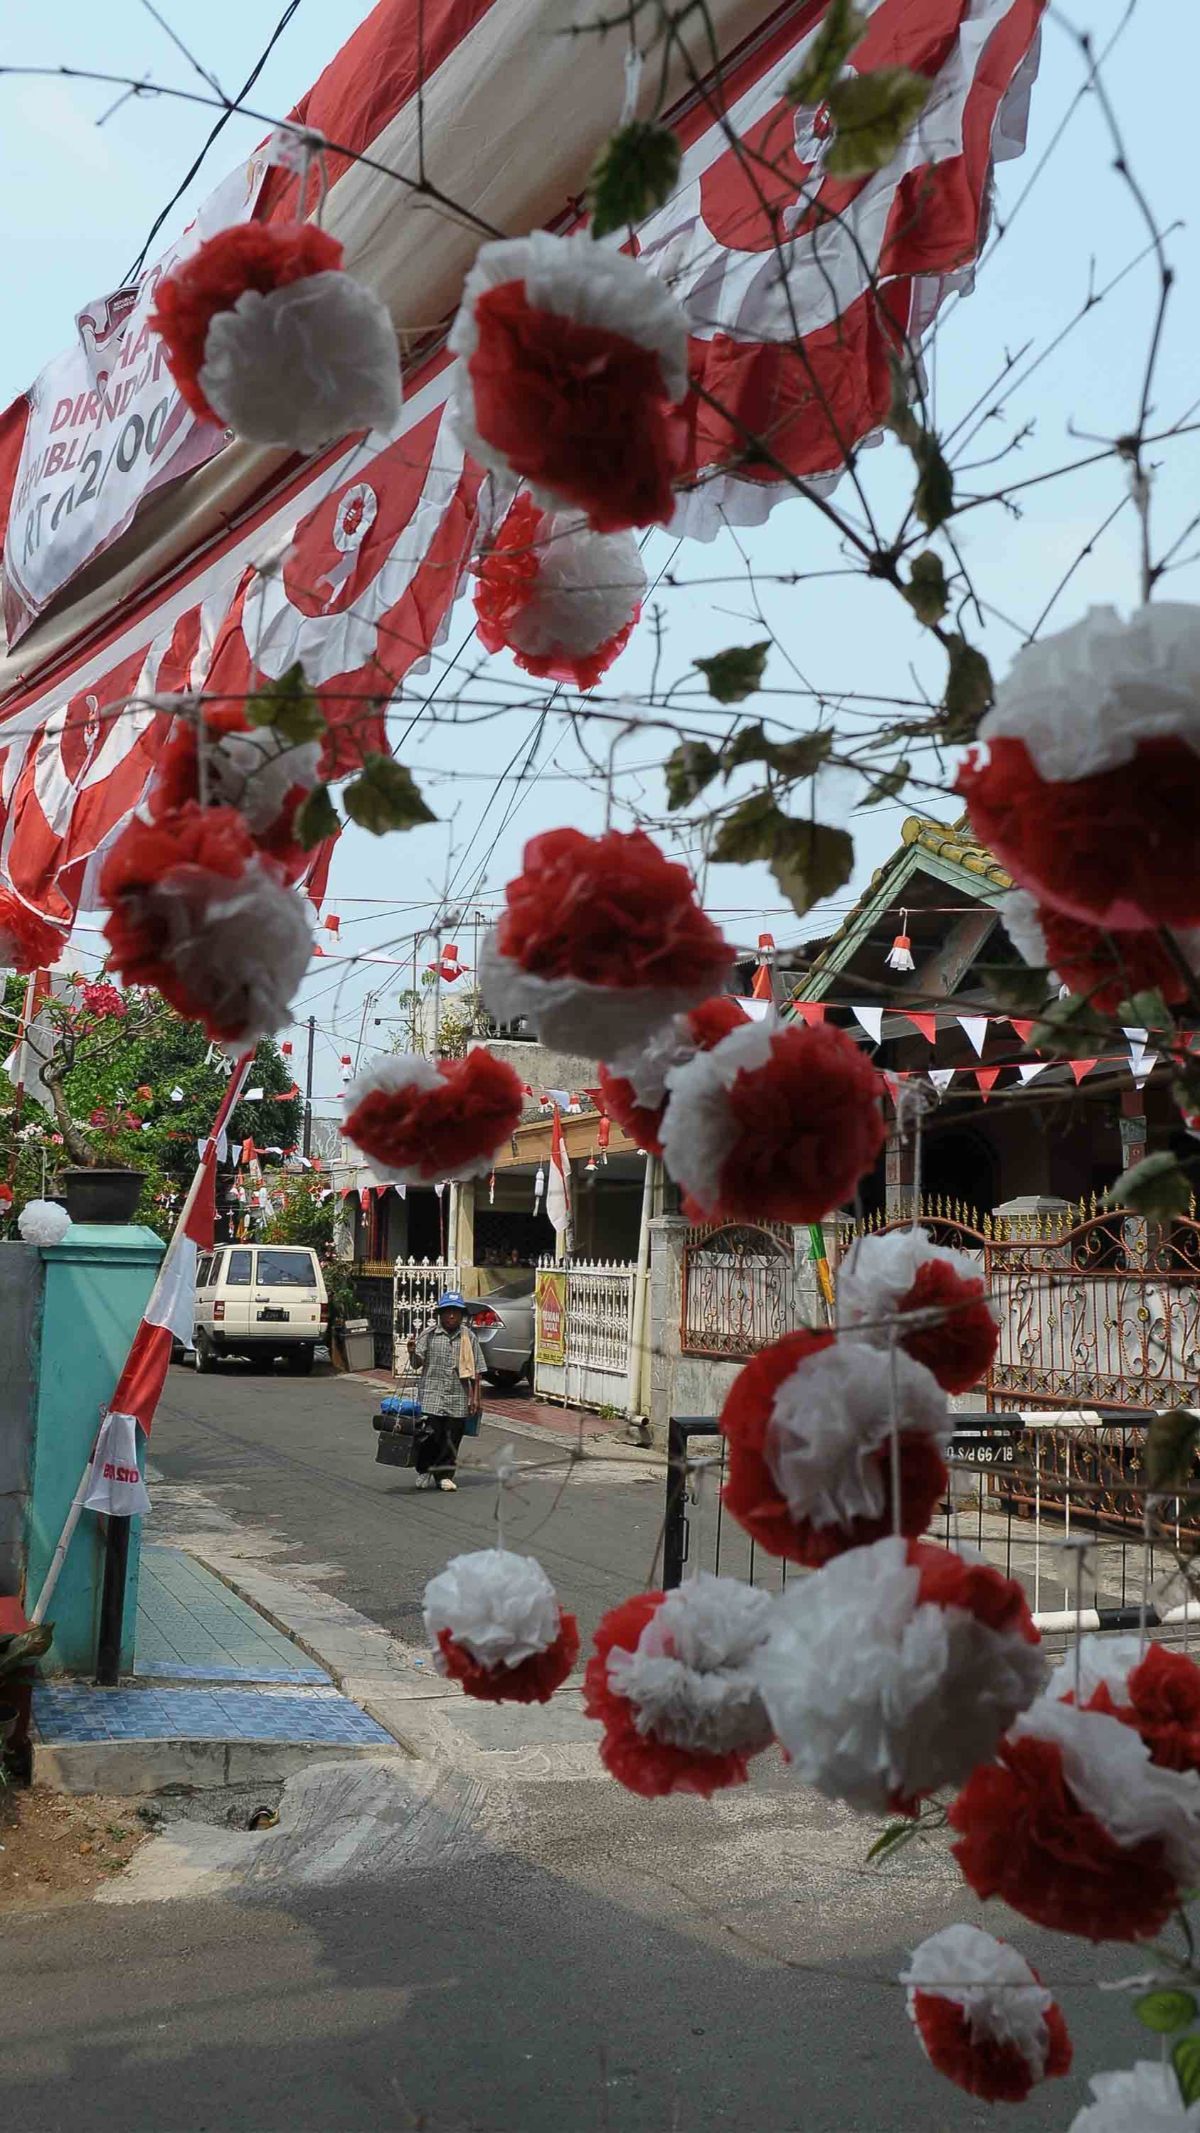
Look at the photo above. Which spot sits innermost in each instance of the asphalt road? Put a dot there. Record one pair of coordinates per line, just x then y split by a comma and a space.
496, 1957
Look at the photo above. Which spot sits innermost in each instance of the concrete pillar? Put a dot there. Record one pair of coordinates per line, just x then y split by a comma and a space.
97, 1284
20, 1318
668, 1234
462, 1227
898, 1160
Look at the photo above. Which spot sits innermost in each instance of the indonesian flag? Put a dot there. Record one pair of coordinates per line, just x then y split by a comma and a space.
558, 1190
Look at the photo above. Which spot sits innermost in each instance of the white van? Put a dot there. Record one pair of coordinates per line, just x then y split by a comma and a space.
261, 1301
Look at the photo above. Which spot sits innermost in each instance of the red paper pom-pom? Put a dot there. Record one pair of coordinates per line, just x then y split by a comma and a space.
421, 1119
1120, 848
698, 1031
261, 792
532, 1680
637, 1760
27, 942
756, 1499
1161, 1702
1025, 1838
250, 255
1108, 967
561, 598
989, 2067
960, 1349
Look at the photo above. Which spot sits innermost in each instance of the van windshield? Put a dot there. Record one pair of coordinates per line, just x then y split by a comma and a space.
286, 1270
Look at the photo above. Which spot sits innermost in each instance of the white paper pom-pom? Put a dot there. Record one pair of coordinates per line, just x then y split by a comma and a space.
256, 771
879, 1272
829, 1419
1019, 915
1083, 699
499, 1606
699, 1131
240, 947
573, 1015
993, 1985
880, 1697
304, 364
43, 1222
1107, 1766
1103, 1660
691, 1680
1143, 2098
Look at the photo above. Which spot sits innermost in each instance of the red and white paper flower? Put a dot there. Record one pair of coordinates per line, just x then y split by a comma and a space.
496, 1627
1077, 1829
265, 333
1142, 2098
27, 942
196, 911
572, 358
902, 1272
422, 1120
601, 943
672, 1681
1089, 791
1156, 1691
775, 1123
1108, 967
808, 1425
254, 769
633, 1087
43, 1222
562, 599
983, 2016
895, 1671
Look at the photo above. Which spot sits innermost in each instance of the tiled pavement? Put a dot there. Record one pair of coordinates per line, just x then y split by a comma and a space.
190, 1627
317, 1716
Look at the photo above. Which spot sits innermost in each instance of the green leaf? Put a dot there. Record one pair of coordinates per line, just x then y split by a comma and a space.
316, 818
1167, 1462
735, 674
1157, 1187
872, 113
840, 31
933, 497
891, 1838
926, 589
968, 689
384, 797
635, 171
1166, 2011
1020, 987
1185, 2058
689, 768
1147, 1010
809, 860
888, 784
798, 758
289, 707
1072, 1028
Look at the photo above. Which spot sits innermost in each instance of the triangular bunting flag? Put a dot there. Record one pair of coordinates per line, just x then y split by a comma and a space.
941, 1077
927, 1024
986, 1077
810, 1011
1080, 1067
1024, 1030
974, 1029
1141, 1066
871, 1019
1031, 1070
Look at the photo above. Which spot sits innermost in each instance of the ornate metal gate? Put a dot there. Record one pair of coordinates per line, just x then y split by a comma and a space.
740, 1289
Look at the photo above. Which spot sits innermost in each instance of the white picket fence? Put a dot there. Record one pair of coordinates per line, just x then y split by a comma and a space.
416, 1286
594, 1371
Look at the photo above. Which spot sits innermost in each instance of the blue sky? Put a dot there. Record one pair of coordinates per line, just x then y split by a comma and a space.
79, 199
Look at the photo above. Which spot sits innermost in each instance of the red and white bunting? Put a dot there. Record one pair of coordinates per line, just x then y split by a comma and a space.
975, 1029
871, 1019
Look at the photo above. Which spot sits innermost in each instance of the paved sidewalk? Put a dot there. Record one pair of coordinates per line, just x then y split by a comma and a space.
191, 1627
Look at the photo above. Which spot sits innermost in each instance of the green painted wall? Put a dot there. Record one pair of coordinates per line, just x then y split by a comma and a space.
97, 1283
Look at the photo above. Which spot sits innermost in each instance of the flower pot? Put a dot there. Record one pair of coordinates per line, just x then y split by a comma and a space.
102, 1195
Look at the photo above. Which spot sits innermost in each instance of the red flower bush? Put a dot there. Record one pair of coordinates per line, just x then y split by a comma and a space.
423, 1120
102, 1001
562, 599
532, 1680
698, 1031
251, 255
27, 941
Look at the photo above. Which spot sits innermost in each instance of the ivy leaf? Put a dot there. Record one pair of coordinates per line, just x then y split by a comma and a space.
316, 818
1185, 2058
635, 171
891, 1838
809, 860
384, 797
799, 758
1147, 1010
289, 707
689, 768
1167, 1463
968, 689
840, 31
933, 497
872, 113
735, 674
1157, 1187
926, 589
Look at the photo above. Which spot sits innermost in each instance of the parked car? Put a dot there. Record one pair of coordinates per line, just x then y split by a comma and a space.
503, 1324
262, 1301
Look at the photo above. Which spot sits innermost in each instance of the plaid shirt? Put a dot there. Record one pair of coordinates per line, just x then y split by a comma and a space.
442, 1391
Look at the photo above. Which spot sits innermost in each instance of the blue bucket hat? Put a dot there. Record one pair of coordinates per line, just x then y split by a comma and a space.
451, 1301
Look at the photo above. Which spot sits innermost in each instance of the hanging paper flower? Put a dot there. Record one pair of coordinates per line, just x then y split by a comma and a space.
1155, 1691
562, 599
808, 1426
900, 955
1054, 799
102, 1001
983, 2016
1143, 2098
773, 1124
494, 1621
571, 360
672, 1683
265, 333
266, 778
417, 1120
43, 1222
1107, 967
895, 1671
903, 1272
197, 912
633, 1089
601, 942
1077, 1829
27, 942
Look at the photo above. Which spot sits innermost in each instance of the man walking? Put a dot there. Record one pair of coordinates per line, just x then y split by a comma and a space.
447, 1355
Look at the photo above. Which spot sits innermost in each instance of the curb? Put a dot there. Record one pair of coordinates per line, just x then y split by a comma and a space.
133, 1768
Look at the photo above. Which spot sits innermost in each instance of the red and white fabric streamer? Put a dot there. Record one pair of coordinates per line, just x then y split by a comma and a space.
562, 599
496, 1627
895, 1671
1154, 1690
115, 1485
983, 2016
776, 1122
571, 360
633, 1086
421, 1120
601, 942
1107, 966
808, 1422
926, 1296
1053, 796
1075, 1827
1142, 2098
266, 333
672, 1681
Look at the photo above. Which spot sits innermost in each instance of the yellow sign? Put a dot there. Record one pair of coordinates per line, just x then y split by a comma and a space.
551, 1317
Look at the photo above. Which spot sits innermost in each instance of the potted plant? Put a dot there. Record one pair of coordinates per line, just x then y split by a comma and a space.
106, 1189
17, 1649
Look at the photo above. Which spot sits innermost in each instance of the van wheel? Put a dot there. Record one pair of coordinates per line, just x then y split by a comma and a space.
206, 1361
300, 1362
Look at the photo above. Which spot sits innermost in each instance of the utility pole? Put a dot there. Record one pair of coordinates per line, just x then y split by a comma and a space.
312, 1030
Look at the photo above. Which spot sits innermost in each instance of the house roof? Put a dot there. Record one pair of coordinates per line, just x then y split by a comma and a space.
945, 850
